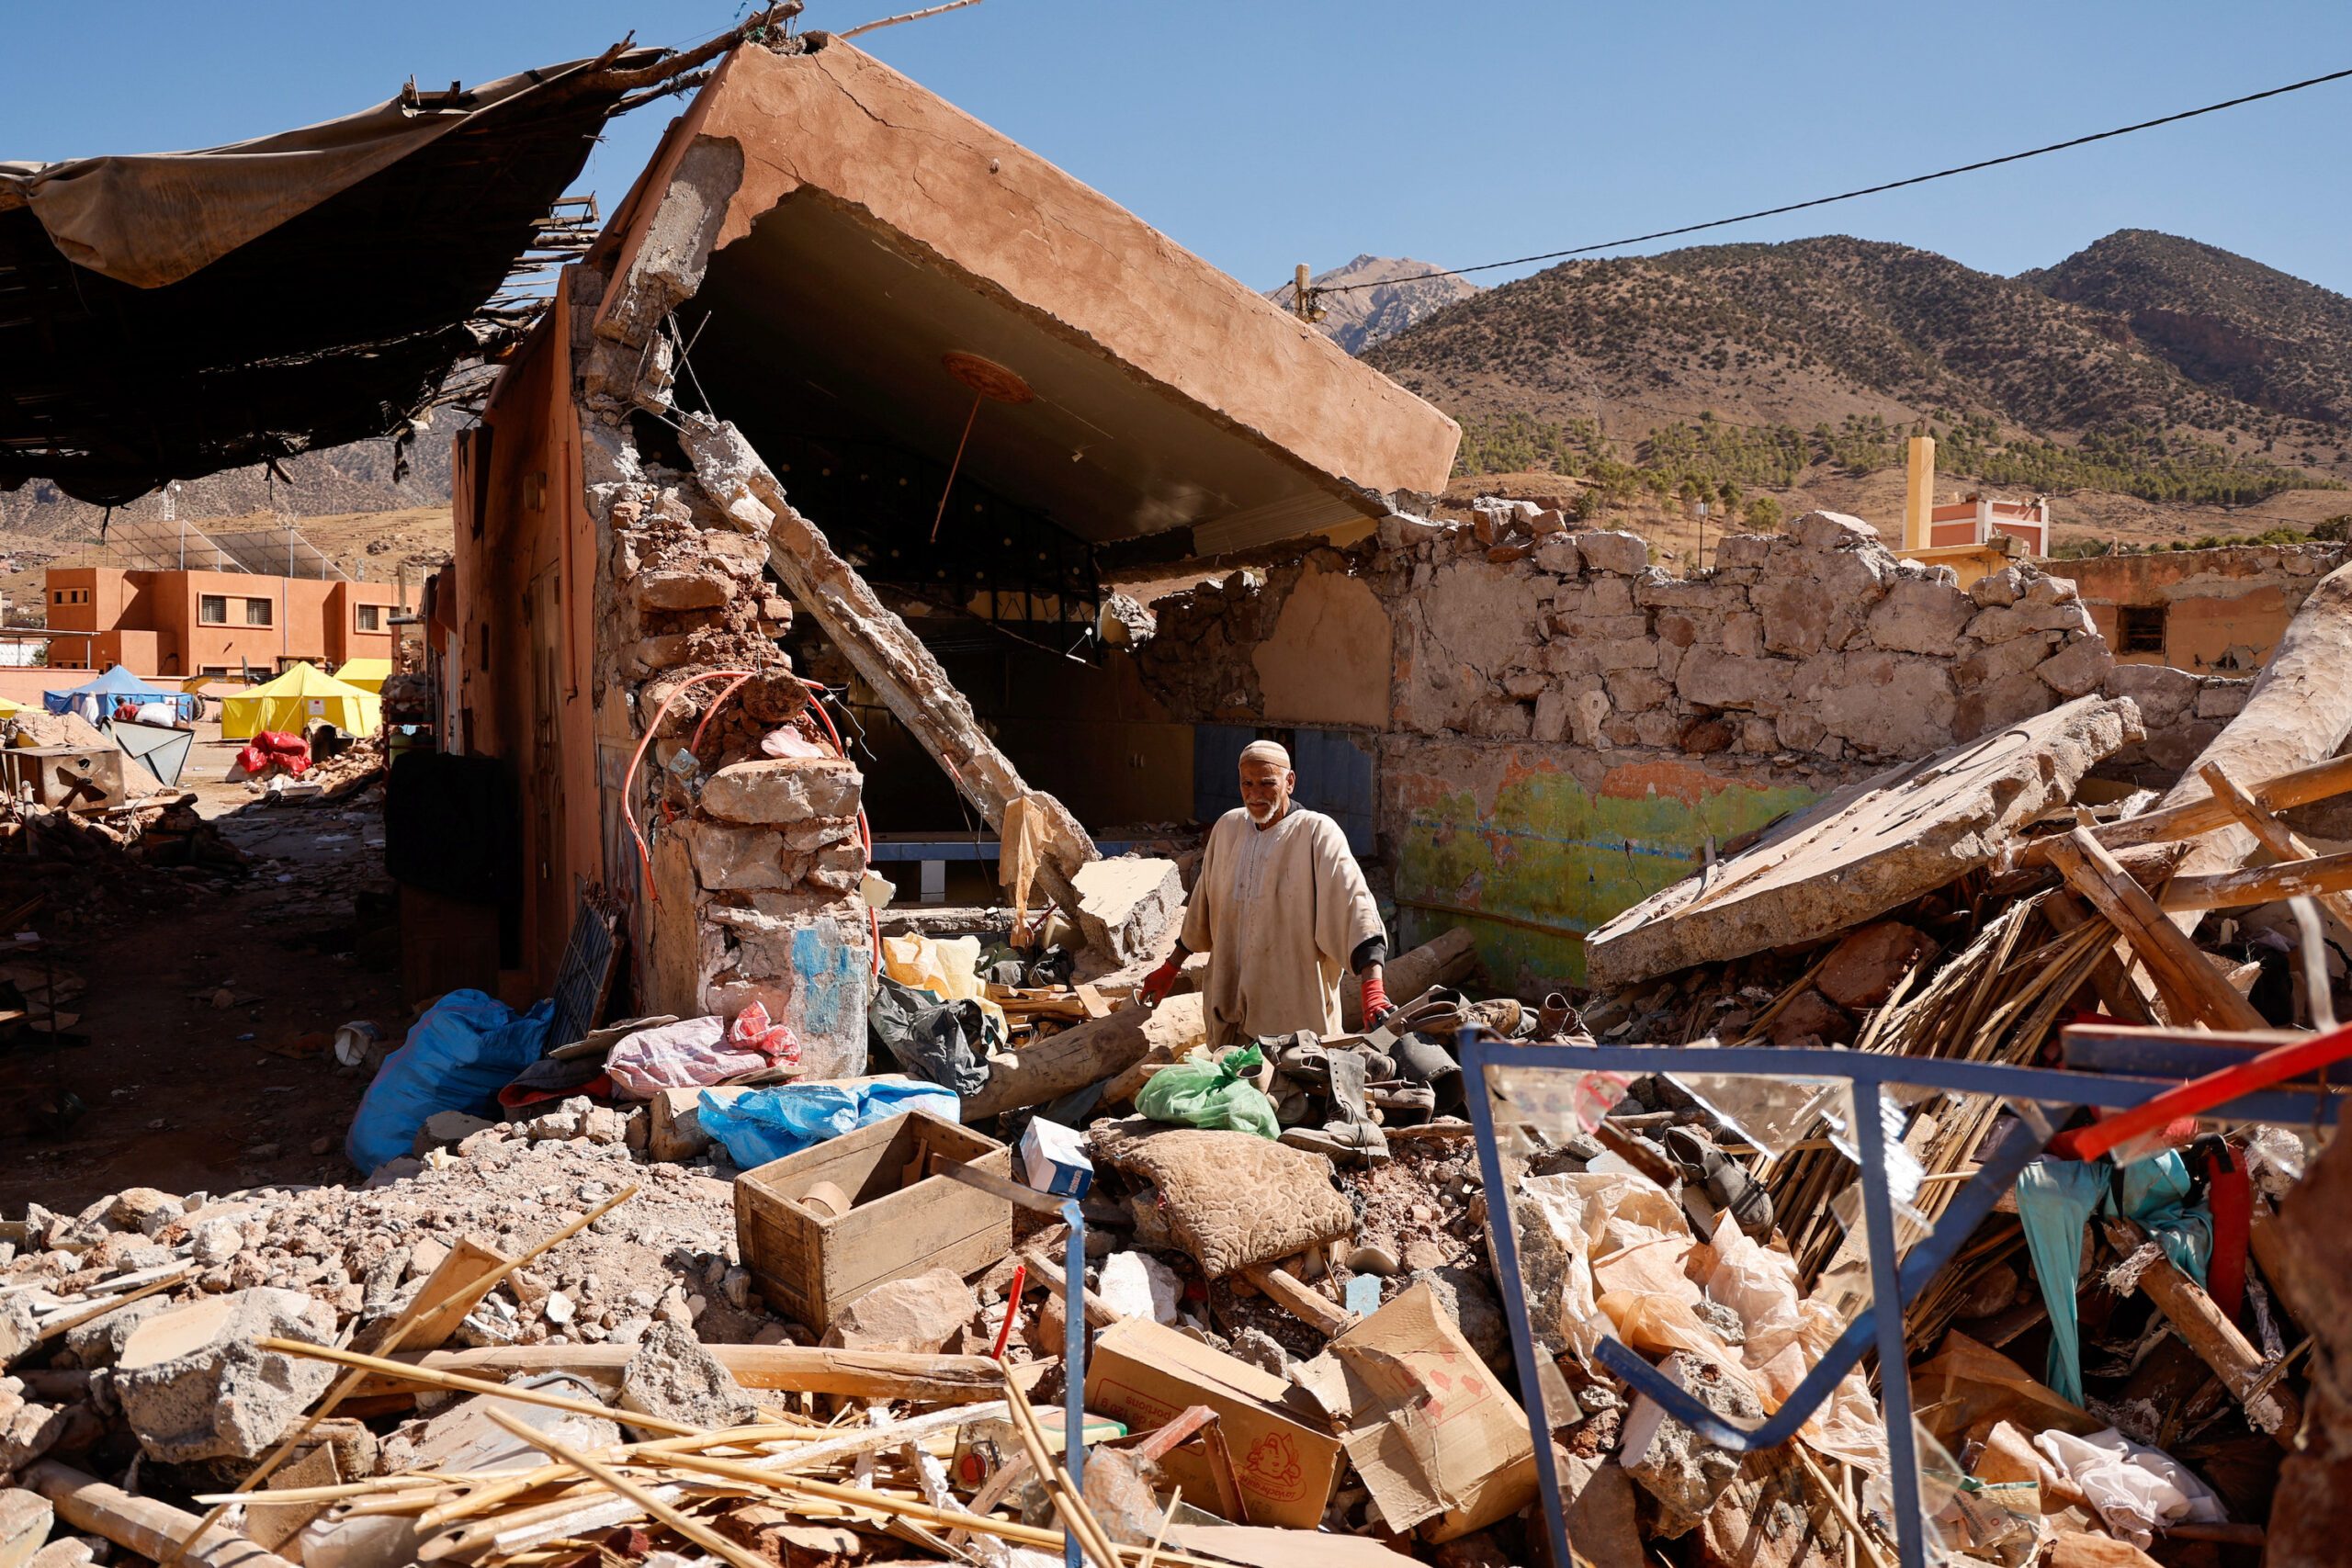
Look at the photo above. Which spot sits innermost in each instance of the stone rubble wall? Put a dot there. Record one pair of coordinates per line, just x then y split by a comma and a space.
755, 861
1570, 729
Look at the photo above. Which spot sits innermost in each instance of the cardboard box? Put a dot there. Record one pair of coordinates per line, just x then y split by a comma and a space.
1284, 1460
902, 1220
1053, 1159
1440, 1442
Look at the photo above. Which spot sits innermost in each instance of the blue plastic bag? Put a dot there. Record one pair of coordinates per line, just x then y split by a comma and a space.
464, 1049
769, 1123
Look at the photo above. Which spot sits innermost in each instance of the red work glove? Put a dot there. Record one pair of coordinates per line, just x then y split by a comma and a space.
1161, 981
1376, 1006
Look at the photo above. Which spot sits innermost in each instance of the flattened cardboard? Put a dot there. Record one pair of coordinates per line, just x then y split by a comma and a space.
1146, 1375
1439, 1441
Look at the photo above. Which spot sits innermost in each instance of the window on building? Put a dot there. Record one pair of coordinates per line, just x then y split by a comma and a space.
2140, 628
217, 670
369, 618
58, 597
257, 611
212, 609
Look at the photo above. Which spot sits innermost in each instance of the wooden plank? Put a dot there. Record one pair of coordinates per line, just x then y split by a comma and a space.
2193, 992
2207, 1330
2281, 845
2323, 877
2119, 991
457, 1284
2322, 780
793, 1368
154, 1531
1317, 1311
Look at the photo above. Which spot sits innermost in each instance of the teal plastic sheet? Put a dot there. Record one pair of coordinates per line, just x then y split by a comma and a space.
2056, 1199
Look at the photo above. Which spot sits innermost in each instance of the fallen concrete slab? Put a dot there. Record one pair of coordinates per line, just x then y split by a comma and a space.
1865, 848
194, 1383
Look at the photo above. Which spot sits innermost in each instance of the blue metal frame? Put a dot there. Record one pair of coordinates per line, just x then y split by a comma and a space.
2027, 1089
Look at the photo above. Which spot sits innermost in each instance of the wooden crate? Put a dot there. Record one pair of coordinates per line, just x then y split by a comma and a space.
901, 1221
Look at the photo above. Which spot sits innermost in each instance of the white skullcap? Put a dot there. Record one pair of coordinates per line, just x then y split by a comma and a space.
1266, 751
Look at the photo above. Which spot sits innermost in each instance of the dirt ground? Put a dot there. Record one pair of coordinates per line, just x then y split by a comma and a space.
176, 1090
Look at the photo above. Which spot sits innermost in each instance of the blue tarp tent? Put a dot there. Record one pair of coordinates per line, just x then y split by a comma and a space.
116, 686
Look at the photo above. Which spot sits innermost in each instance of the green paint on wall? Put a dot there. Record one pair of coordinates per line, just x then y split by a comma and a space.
1549, 861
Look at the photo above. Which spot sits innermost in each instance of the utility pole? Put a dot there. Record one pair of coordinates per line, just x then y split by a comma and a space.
1302, 297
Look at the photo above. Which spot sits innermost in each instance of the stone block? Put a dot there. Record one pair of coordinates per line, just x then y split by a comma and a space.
1831, 531
1714, 679
1996, 623
143, 1208
1657, 727
1799, 730
2078, 668
1552, 710
1612, 596
194, 1384
1623, 554
2070, 616
671, 1375
1633, 653
1864, 966
25, 1520
1586, 716
2163, 696
99, 1342
1558, 554
923, 1313
2221, 699
1998, 588
1920, 615
1674, 1465
2001, 659
446, 1129
2040, 588
662, 588
1743, 552
1896, 704
1632, 691
1126, 905
1742, 633
731, 859
2000, 703
1681, 630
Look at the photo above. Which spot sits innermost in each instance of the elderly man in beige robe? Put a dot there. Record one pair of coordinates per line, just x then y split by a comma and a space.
1282, 909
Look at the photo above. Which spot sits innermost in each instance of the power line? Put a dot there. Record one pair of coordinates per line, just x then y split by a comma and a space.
1849, 196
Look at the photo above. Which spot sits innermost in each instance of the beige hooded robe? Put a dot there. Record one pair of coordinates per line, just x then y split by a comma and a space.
1279, 911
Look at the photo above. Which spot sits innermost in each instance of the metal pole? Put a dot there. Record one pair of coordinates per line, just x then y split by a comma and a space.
1886, 1306
1074, 1365
1470, 1046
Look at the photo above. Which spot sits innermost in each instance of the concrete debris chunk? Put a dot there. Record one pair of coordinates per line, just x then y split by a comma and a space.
1867, 848
194, 1384
99, 1342
1674, 1465
1126, 905
671, 1376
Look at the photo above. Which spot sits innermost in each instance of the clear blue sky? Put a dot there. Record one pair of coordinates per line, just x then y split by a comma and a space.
1267, 133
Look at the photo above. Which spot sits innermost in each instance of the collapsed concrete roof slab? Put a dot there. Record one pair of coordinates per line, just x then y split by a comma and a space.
850, 230
1865, 848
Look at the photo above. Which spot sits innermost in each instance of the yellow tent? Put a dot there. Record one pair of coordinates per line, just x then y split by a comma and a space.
369, 674
7, 707
303, 694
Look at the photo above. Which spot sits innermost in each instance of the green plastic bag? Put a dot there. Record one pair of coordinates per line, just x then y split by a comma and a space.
1197, 1092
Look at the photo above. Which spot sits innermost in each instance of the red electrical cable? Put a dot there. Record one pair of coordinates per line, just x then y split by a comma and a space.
629, 780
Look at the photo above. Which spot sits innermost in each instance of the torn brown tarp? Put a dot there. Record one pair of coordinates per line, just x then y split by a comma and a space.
151, 218
175, 314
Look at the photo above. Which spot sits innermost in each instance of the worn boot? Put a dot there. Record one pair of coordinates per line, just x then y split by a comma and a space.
1725, 1181
1555, 1018
1351, 1135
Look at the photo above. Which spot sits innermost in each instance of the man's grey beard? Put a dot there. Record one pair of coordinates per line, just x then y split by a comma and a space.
1262, 815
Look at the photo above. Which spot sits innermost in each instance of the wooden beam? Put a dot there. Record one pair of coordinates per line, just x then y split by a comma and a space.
885, 655
2207, 1330
2322, 780
2119, 991
142, 1525
2279, 843
857, 1374
2192, 990
1311, 1307
2323, 876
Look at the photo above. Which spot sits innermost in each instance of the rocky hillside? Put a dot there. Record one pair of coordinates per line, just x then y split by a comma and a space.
2271, 341
340, 480
1399, 296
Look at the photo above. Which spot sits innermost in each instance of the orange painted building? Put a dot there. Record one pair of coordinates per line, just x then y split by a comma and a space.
211, 622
